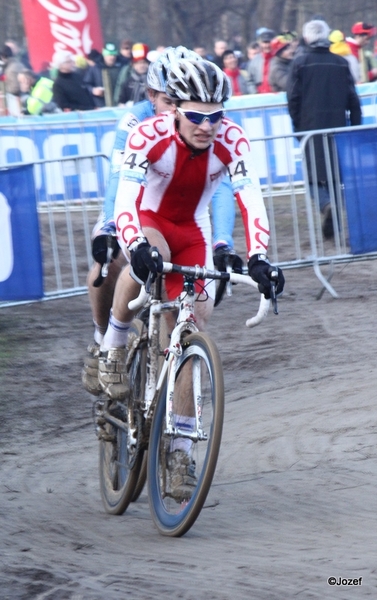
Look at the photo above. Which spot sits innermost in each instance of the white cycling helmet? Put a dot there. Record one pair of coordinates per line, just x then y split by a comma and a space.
156, 76
197, 81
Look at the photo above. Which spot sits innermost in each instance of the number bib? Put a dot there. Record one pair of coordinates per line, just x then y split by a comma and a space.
239, 175
134, 167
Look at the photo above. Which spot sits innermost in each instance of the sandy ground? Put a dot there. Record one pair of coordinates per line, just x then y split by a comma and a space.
294, 497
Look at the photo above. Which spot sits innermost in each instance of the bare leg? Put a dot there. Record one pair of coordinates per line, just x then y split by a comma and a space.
101, 298
126, 289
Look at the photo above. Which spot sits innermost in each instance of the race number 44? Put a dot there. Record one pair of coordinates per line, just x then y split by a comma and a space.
136, 161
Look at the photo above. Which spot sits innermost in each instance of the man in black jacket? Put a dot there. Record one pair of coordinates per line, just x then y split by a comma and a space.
69, 92
101, 78
321, 95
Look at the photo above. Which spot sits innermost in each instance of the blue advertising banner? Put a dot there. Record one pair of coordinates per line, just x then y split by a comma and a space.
357, 151
20, 251
52, 137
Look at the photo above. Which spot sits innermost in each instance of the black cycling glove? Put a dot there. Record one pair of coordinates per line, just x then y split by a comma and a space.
225, 256
142, 263
100, 244
260, 270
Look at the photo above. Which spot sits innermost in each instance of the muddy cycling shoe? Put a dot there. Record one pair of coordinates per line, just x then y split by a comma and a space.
112, 373
89, 373
183, 480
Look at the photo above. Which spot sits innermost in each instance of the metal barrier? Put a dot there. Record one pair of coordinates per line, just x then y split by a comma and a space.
292, 205
336, 250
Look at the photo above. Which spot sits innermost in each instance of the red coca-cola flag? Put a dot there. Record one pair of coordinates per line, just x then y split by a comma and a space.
55, 25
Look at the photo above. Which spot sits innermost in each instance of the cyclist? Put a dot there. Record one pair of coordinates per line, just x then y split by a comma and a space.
101, 297
172, 165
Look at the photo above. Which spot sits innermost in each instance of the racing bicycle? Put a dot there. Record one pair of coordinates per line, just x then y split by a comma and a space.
165, 371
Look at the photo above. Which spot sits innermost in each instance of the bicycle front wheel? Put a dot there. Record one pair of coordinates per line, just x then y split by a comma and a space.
174, 505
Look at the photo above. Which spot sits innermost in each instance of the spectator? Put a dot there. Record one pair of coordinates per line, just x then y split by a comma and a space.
21, 55
134, 87
81, 64
201, 51
253, 48
219, 48
101, 78
321, 94
94, 57
301, 47
155, 54
36, 94
237, 44
258, 68
342, 48
69, 90
125, 52
11, 68
236, 76
362, 33
282, 54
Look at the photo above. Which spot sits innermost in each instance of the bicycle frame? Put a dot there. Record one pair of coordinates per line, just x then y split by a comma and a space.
185, 322
185, 304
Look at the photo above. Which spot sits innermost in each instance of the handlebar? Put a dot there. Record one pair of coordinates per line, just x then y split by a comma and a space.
140, 300
204, 273
264, 304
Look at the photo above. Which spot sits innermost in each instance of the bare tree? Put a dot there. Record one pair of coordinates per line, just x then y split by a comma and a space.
165, 22
11, 25
270, 13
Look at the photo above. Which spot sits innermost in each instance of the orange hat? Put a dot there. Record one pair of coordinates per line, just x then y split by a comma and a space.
139, 52
361, 28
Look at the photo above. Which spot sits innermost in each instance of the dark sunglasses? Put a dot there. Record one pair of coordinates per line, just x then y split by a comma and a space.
197, 117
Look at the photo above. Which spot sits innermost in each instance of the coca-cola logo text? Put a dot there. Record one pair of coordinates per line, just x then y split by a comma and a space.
65, 17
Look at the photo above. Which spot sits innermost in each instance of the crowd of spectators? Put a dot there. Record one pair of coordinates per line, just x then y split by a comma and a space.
116, 74
267, 61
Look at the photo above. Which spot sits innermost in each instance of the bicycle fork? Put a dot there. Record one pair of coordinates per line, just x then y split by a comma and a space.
185, 324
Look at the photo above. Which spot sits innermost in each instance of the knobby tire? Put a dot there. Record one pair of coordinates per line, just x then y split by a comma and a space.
173, 518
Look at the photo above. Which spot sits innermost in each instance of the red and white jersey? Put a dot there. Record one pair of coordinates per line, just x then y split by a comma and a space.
162, 174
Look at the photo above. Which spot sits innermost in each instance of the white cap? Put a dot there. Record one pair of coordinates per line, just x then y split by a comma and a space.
61, 57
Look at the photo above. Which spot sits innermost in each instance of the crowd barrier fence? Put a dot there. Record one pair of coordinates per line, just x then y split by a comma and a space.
69, 190
351, 169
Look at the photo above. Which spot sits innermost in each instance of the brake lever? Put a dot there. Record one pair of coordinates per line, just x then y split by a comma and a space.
109, 255
228, 283
111, 242
151, 278
273, 275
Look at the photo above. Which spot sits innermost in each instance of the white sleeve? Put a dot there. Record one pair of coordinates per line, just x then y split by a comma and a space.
247, 190
129, 194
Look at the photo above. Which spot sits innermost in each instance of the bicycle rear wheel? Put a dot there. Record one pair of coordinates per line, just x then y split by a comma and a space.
200, 370
122, 474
